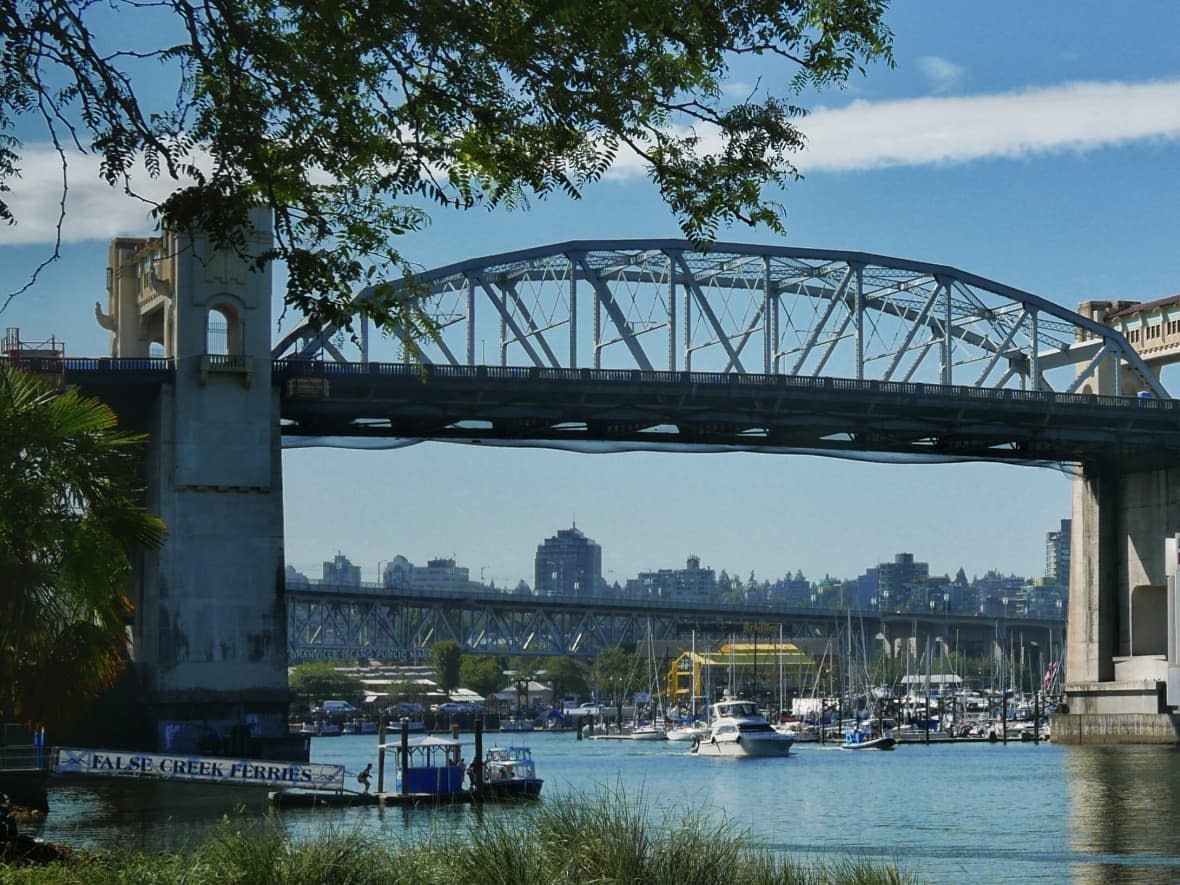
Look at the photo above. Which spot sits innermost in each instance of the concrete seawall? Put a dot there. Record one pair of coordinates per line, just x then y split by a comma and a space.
1115, 728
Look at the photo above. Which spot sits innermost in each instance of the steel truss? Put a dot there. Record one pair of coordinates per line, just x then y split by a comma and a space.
666, 305
383, 624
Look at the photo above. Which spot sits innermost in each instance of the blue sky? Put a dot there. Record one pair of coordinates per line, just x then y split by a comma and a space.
1034, 144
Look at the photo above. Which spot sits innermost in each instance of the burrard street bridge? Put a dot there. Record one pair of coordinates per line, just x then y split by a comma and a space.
649, 345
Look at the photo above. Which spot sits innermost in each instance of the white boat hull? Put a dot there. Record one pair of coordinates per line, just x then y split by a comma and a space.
881, 743
648, 734
768, 744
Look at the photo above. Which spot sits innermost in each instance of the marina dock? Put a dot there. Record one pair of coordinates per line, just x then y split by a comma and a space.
308, 799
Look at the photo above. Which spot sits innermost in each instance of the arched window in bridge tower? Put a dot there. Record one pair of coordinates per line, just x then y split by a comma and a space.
225, 344
223, 331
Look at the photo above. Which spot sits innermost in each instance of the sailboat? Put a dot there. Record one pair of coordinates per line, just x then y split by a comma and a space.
860, 734
650, 731
809, 727
687, 731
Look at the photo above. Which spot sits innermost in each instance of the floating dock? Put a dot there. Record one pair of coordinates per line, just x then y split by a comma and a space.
310, 799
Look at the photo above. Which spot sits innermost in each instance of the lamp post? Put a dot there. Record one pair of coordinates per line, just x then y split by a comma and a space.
522, 688
1005, 601
946, 603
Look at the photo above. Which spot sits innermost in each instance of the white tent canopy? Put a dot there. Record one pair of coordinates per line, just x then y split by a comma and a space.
533, 690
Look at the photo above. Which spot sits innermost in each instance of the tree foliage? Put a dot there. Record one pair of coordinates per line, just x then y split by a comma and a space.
447, 656
314, 681
347, 120
617, 672
482, 674
566, 675
70, 519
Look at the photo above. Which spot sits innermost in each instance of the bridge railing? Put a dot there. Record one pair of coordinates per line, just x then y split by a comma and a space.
97, 364
302, 368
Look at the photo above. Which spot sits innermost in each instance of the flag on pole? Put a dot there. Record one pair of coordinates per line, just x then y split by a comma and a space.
1050, 672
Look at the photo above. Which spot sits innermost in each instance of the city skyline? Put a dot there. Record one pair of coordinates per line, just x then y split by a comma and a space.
372, 574
1050, 168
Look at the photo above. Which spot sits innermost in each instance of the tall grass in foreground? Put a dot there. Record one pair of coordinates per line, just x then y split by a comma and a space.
569, 840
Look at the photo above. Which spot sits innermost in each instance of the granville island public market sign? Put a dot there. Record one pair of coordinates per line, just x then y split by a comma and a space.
260, 772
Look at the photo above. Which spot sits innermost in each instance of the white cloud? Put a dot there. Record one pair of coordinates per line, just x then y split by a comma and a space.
738, 89
937, 131
94, 209
861, 136
944, 76
928, 131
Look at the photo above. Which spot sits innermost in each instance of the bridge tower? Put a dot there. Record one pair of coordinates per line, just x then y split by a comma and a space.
210, 621
1118, 656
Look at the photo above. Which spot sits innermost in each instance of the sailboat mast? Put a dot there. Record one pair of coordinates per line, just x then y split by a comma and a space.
780, 670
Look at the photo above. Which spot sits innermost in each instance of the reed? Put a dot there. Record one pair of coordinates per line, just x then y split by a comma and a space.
607, 837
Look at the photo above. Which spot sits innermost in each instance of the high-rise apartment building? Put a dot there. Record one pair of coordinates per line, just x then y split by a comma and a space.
1057, 553
568, 564
342, 572
895, 577
440, 574
691, 582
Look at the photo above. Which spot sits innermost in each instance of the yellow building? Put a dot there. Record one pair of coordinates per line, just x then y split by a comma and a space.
751, 668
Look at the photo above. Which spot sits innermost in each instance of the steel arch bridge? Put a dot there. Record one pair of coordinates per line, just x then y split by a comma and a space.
668, 305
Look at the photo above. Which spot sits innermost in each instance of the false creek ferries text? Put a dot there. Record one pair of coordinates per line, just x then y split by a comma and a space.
199, 768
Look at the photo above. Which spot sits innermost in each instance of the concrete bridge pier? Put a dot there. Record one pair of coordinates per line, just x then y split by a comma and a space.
209, 635
1117, 657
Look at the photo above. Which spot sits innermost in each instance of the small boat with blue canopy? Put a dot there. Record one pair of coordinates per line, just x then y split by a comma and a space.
860, 738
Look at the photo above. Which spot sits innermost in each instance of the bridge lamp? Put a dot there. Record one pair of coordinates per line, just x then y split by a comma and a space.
946, 603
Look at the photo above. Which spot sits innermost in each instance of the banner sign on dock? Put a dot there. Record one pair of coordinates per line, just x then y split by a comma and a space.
206, 769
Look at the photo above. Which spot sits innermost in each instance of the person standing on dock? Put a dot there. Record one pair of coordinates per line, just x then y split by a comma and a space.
365, 777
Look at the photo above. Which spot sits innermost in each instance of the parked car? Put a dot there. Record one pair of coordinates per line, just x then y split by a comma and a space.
405, 708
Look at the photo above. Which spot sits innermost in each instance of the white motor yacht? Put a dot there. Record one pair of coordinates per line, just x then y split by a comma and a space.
738, 729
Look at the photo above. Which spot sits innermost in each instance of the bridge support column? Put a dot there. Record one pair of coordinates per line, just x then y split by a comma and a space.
1116, 667
210, 625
